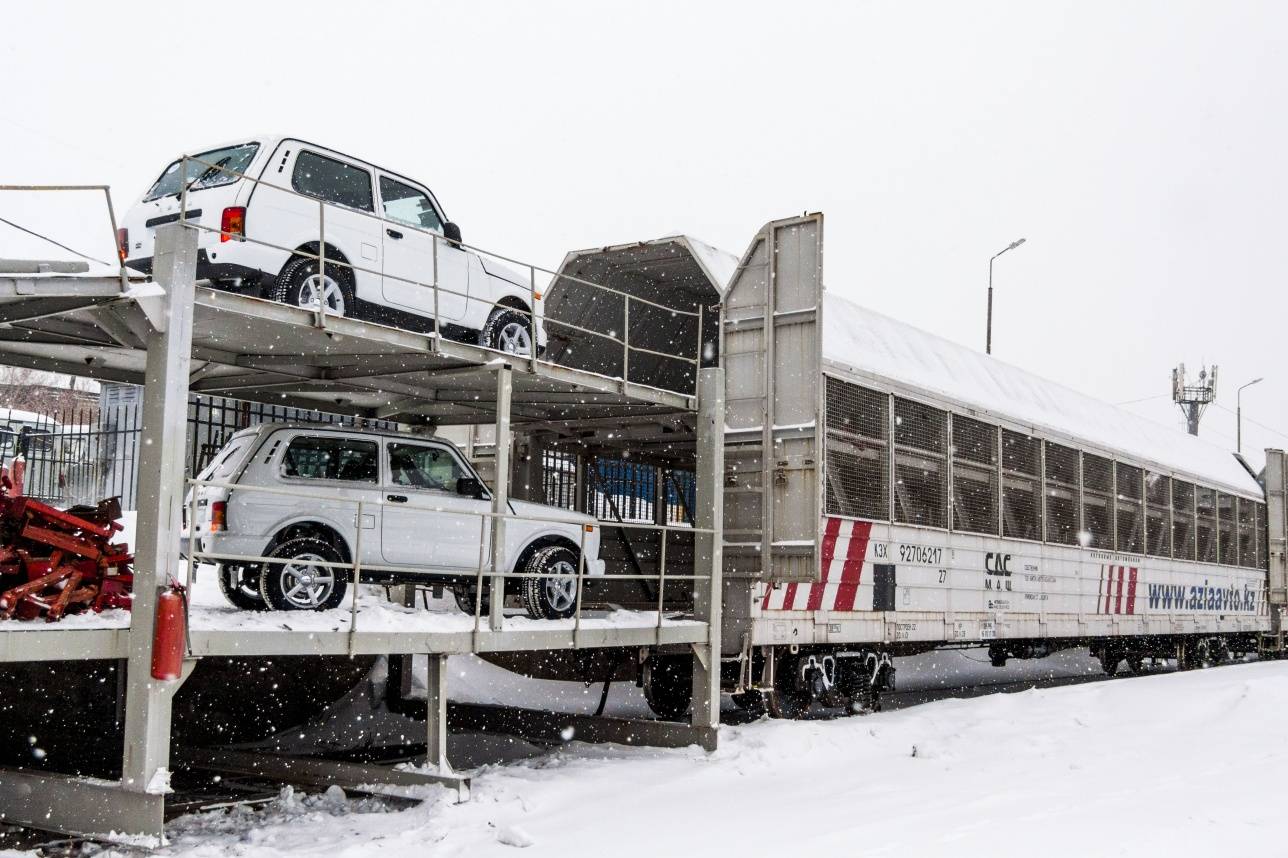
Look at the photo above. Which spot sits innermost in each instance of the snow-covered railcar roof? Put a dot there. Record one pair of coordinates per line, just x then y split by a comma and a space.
868, 341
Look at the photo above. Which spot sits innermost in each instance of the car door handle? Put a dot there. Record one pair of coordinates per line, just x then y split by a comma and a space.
396, 498
393, 233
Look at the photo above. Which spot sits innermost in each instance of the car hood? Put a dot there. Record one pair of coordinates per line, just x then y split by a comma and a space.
542, 511
504, 272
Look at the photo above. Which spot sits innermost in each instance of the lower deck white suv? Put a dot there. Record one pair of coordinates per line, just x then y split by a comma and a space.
421, 515
265, 206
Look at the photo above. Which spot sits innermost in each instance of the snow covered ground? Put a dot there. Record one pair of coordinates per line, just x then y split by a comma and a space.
1170, 764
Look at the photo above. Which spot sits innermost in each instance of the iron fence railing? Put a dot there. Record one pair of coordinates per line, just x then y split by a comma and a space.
86, 453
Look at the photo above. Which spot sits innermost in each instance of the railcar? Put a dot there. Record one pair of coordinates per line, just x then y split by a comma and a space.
889, 492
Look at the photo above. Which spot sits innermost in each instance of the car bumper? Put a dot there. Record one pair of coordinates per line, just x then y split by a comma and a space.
250, 279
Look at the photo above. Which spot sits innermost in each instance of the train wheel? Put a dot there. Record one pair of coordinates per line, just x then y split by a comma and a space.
1136, 664
1109, 662
789, 703
668, 685
753, 701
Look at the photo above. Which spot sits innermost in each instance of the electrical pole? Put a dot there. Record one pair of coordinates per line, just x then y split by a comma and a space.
1193, 398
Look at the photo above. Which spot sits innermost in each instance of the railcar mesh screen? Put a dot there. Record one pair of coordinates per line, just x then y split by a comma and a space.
857, 410
1021, 489
1158, 515
1130, 519
974, 446
1228, 552
1205, 524
1097, 509
857, 478
920, 466
1247, 535
1183, 530
1062, 494
858, 461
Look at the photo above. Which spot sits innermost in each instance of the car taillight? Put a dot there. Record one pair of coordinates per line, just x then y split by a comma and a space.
218, 516
122, 243
232, 226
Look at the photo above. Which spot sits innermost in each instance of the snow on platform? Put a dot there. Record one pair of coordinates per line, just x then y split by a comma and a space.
1174, 764
210, 613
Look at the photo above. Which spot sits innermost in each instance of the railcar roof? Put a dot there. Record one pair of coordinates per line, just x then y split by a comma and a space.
868, 341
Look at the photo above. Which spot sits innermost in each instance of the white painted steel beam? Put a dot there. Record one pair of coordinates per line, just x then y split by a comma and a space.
164, 437
708, 547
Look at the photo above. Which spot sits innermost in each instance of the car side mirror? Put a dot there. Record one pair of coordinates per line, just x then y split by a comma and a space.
469, 487
452, 233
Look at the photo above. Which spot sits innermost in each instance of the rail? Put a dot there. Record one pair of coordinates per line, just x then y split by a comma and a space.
536, 320
484, 568
123, 272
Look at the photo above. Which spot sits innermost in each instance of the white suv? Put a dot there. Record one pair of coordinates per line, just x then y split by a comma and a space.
423, 514
374, 219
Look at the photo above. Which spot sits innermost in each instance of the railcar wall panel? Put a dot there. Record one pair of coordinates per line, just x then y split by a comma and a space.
890, 583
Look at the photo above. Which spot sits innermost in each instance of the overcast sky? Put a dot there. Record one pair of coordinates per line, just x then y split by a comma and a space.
1139, 147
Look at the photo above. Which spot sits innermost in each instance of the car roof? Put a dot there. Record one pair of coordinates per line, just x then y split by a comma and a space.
277, 425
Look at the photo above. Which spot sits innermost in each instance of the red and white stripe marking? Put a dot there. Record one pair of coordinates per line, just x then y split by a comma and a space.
843, 550
1117, 590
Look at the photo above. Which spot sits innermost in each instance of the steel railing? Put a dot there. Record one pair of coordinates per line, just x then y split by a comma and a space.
534, 316
484, 568
123, 272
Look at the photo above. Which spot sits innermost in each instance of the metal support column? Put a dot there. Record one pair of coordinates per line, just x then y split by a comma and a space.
500, 495
436, 715
709, 554
160, 497
528, 469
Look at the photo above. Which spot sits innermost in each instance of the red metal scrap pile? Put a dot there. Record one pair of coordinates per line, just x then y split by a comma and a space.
53, 561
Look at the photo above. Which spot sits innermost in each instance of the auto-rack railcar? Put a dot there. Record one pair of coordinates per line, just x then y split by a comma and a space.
888, 492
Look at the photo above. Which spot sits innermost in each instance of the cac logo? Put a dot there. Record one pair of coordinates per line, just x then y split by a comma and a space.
997, 564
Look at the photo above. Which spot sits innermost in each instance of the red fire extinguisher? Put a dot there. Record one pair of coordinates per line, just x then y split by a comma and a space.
170, 633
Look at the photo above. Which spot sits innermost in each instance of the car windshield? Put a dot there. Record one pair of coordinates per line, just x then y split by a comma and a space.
226, 461
235, 158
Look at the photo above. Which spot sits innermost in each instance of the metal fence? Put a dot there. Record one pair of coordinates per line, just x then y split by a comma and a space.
82, 455
620, 490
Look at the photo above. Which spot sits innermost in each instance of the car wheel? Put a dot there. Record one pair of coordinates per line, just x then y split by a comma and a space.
554, 595
240, 586
301, 582
668, 686
465, 595
301, 285
508, 331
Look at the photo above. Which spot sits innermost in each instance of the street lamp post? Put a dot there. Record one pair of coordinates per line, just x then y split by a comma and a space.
988, 340
1238, 414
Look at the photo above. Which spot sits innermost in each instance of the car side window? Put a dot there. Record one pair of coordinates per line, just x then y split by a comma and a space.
324, 457
404, 204
422, 467
333, 181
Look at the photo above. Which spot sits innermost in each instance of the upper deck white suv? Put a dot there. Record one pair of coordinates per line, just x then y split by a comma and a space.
421, 513
373, 218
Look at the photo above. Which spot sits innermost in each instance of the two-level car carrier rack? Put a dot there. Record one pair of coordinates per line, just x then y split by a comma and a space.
173, 337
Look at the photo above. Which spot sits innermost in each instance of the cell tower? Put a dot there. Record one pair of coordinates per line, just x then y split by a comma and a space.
1193, 398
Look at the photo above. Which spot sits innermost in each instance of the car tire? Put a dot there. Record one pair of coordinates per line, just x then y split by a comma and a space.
508, 331
297, 584
299, 285
553, 596
240, 586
